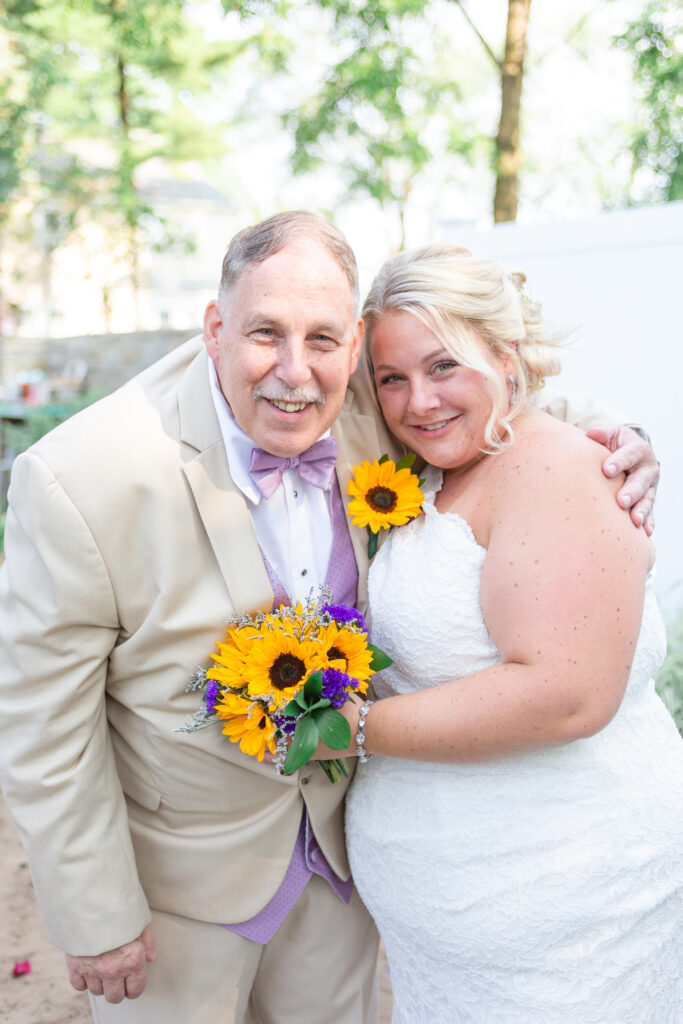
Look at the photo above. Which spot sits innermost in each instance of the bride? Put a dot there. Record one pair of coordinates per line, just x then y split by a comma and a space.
517, 833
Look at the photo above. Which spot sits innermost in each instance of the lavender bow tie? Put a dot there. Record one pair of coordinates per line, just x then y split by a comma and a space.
315, 465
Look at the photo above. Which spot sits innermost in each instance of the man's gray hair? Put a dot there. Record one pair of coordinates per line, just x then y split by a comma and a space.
255, 244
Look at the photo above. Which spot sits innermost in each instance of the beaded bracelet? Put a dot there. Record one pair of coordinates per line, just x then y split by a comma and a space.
361, 752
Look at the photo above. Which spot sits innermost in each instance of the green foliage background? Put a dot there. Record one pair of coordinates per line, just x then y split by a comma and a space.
670, 675
653, 40
91, 91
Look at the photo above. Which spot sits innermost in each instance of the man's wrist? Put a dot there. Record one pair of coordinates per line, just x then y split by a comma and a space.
640, 431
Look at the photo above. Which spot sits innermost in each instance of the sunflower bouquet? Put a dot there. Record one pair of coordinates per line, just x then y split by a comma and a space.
278, 679
385, 494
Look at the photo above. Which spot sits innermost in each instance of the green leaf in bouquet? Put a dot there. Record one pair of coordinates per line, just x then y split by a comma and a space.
335, 769
313, 687
372, 543
322, 703
380, 660
406, 462
382, 459
304, 742
297, 704
333, 728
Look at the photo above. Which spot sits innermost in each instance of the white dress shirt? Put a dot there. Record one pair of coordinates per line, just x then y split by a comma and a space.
293, 526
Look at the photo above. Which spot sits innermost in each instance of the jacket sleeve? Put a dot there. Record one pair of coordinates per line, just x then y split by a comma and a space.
578, 410
58, 624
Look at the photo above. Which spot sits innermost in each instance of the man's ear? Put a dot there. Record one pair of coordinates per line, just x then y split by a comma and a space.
357, 345
213, 322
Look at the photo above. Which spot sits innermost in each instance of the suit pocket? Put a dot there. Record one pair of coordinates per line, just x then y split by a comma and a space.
139, 791
134, 774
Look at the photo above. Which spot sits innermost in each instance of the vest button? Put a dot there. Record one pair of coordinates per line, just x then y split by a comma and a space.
306, 780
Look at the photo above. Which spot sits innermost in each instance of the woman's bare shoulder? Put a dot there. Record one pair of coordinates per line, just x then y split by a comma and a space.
553, 472
548, 450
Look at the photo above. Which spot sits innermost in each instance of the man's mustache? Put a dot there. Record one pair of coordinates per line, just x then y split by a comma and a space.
273, 394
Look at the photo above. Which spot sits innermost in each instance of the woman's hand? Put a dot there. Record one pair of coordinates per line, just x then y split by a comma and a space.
350, 711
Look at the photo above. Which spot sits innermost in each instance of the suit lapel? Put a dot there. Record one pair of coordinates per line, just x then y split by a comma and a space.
358, 439
361, 434
221, 505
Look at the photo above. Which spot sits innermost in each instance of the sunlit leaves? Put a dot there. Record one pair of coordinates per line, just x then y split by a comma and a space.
656, 43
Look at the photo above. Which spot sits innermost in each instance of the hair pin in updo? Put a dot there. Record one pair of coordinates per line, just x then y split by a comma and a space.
519, 281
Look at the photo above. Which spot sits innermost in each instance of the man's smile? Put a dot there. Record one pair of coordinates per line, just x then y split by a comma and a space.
288, 406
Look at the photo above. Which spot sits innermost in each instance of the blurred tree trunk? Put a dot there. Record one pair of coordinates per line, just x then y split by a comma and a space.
127, 190
508, 149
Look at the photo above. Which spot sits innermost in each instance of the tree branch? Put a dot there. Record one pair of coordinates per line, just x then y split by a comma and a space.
496, 61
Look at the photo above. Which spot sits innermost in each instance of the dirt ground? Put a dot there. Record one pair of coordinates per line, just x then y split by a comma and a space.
44, 996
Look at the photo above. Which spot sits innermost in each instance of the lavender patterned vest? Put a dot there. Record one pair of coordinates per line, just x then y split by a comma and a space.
307, 857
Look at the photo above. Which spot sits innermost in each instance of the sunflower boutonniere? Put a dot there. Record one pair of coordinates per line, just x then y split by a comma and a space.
385, 494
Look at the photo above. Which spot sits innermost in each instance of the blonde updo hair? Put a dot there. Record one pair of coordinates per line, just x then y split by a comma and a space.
464, 299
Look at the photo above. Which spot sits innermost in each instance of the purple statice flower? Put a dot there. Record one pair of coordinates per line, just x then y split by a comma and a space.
335, 686
342, 613
211, 696
285, 724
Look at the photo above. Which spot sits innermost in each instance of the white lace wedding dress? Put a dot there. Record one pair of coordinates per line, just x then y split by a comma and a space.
541, 889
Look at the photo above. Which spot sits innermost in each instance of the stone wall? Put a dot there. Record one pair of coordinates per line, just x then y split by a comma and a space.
111, 359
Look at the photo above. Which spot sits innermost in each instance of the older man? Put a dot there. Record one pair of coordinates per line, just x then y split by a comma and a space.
134, 530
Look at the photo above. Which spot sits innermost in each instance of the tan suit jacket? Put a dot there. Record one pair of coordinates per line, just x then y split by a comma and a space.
127, 546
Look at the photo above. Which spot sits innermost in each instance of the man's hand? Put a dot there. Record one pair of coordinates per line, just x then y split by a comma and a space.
635, 457
118, 974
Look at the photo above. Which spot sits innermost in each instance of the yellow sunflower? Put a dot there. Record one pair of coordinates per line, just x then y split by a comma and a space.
280, 664
232, 656
383, 496
246, 724
346, 651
